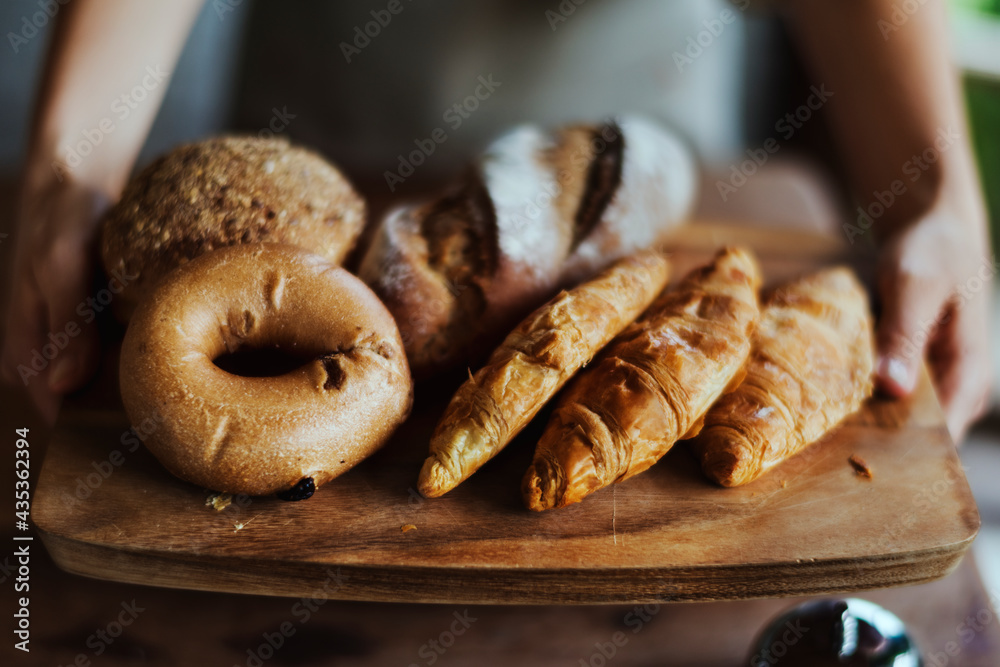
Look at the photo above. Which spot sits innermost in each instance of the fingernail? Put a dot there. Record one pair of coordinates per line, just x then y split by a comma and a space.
62, 374
956, 431
898, 371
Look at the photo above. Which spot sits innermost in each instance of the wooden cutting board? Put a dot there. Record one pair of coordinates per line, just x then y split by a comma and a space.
106, 509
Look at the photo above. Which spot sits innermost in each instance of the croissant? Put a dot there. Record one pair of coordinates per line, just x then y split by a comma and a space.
650, 386
811, 366
533, 363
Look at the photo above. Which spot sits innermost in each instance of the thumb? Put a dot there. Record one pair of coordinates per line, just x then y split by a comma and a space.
911, 308
74, 337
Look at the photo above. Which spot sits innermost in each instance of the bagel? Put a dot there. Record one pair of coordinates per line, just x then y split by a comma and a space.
287, 433
220, 192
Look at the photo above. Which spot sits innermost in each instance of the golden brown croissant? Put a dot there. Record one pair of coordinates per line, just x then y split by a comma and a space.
531, 365
650, 386
811, 366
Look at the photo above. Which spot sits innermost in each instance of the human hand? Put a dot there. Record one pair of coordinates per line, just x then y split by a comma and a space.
935, 279
51, 341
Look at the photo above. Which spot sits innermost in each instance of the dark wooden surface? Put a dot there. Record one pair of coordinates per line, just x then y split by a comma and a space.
194, 628
810, 526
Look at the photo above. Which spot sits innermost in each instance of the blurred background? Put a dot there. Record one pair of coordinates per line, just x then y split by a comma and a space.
249, 67
248, 64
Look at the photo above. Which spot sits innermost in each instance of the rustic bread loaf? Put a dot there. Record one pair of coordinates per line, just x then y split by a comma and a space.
537, 212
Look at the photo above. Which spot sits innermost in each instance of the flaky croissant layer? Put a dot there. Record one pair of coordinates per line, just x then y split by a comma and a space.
533, 363
811, 366
651, 385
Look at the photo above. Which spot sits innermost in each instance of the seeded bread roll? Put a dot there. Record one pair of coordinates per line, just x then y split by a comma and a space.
539, 211
221, 192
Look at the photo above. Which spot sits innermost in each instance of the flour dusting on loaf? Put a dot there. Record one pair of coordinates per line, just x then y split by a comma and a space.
521, 186
539, 211
657, 188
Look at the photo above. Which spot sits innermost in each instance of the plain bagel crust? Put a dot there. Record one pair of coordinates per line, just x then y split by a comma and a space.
220, 192
263, 435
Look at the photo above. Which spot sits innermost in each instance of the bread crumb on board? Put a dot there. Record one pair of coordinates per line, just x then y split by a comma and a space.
784, 483
239, 525
407, 527
219, 501
860, 466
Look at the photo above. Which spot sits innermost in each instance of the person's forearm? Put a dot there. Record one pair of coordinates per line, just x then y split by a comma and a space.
896, 105
898, 118
105, 77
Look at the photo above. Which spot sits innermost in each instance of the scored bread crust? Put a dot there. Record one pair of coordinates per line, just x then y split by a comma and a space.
220, 192
262, 435
538, 211
532, 364
650, 386
653, 192
811, 366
